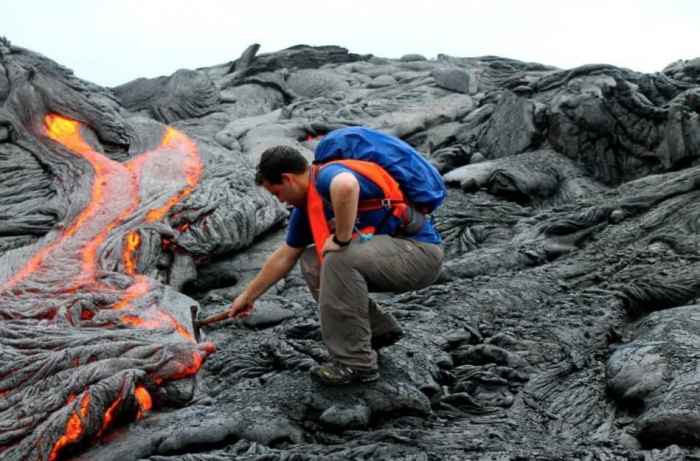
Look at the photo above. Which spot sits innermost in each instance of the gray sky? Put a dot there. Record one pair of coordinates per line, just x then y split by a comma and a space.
110, 42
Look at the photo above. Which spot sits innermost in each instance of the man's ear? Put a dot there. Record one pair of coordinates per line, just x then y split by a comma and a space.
288, 179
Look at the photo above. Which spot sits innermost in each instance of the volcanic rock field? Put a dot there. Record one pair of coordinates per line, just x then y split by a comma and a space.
563, 326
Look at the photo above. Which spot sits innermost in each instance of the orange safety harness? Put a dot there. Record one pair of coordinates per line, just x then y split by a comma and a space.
393, 199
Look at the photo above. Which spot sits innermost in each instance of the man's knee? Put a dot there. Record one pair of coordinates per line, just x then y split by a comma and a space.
340, 260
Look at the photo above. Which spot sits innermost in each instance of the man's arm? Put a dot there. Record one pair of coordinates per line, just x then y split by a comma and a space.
277, 265
345, 193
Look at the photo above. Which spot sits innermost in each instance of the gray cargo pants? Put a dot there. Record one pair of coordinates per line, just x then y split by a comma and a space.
349, 317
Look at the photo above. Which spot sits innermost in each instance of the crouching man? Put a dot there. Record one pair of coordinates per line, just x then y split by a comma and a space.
350, 240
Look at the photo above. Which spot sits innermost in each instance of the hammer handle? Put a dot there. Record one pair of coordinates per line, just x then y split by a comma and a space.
213, 319
223, 316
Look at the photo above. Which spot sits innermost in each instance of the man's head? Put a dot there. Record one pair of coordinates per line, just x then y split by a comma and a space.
284, 172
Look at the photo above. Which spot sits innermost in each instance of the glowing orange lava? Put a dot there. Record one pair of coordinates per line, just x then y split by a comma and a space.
184, 332
67, 132
192, 168
74, 427
157, 319
165, 175
109, 415
133, 242
197, 360
113, 198
143, 398
140, 322
137, 289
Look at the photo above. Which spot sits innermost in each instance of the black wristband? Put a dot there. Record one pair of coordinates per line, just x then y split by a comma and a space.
339, 243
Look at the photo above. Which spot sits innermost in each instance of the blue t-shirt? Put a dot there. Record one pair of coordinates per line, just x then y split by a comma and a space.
299, 231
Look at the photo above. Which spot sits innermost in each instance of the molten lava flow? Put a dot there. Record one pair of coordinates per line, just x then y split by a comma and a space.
163, 177
185, 333
112, 185
158, 319
74, 427
152, 318
133, 242
113, 198
109, 415
197, 360
139, 322
140, 287
160, 160
67, 132
192, 171
143, 398
189, 364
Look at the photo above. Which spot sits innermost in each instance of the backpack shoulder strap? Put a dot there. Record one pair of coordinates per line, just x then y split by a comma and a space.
379, 176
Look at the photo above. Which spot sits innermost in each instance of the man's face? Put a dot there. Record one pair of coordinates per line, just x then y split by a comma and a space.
288, 191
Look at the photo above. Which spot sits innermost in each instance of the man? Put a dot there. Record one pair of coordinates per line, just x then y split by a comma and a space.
348, 265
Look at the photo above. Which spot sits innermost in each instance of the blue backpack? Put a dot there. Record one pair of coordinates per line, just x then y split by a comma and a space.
420, 181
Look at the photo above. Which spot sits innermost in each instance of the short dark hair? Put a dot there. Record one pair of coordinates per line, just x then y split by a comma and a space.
277, 160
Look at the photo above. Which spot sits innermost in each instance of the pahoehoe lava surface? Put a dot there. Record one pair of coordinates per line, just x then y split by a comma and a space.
563, 325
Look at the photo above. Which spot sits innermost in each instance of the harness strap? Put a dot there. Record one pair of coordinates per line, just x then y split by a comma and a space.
320, 230
393, 199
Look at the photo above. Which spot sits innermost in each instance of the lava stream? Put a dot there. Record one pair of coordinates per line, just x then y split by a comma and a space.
67, 264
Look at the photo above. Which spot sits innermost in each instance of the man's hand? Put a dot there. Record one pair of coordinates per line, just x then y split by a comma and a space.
331, 246
241, 307
276, 266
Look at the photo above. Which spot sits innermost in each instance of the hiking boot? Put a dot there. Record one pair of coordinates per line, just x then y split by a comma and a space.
336, 374
387, 339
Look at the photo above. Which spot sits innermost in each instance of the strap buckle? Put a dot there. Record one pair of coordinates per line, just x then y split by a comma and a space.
386, 203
